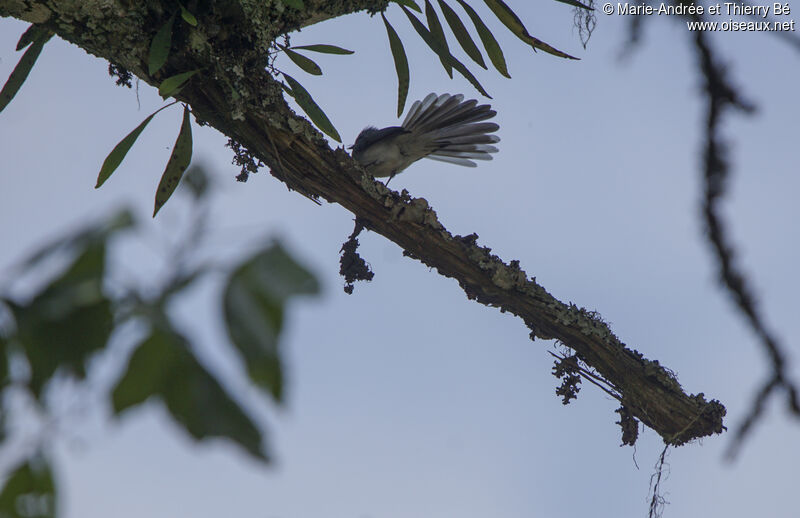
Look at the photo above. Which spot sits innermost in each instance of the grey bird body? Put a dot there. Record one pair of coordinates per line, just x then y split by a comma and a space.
442, 127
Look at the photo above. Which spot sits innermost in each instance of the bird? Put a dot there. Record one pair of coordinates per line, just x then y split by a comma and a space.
439, 127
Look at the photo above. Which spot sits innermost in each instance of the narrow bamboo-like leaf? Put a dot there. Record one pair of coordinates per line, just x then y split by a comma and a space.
177, 164
188, 17
312, 109
325, 49
30, 35
23, 68
515, 25
170, 85
159, 47
437, 32
297, 4
456, 64
29, 491
434, 44
576, 4
464, 71
409, 3
493, 49
114, 159
303, 62
163, 367
461, 34
400, 65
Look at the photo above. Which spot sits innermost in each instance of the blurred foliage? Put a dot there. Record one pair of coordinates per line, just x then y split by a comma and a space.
29, 491
54, 334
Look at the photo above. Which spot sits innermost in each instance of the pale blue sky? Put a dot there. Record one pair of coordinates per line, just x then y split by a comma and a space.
406, 399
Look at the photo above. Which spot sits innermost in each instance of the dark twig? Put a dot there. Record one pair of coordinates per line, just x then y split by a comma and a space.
657, 502
722, 96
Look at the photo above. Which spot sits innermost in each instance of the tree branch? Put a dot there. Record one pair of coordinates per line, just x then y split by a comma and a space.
237, 96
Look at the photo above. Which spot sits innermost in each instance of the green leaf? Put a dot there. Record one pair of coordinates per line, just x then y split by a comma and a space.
456, 64
303, 62
437, 33
4, 352
197, 180
172, 84
23, 68
297, 4
163, 367
461, 34
117, 155
83, 238
31, 34
400, 65
515, 25
184, 279
254, 303
311, 108
69, 320
493, 49
187, 16
325, 49
409, 3
177, 164
29, 492
159, 47
575, 3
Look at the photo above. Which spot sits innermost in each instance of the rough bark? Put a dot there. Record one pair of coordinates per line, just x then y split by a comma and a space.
236, 95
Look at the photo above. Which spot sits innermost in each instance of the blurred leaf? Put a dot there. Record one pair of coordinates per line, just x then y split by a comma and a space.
180, 282
187, 16
311, 108
437, 33
325, 49
177, 164
31, 34
23, 68
159, 47
83, 238
515, 25
172, 84
163, 366
297, 4
576, 4
400, 65
426, 36
493, 49
303, 62
254, 301
197, 180
461, 34
67, 321
29, 492
409, 3
3, 365
117, 155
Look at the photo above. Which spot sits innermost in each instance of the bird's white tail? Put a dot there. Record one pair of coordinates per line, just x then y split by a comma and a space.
453, 129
